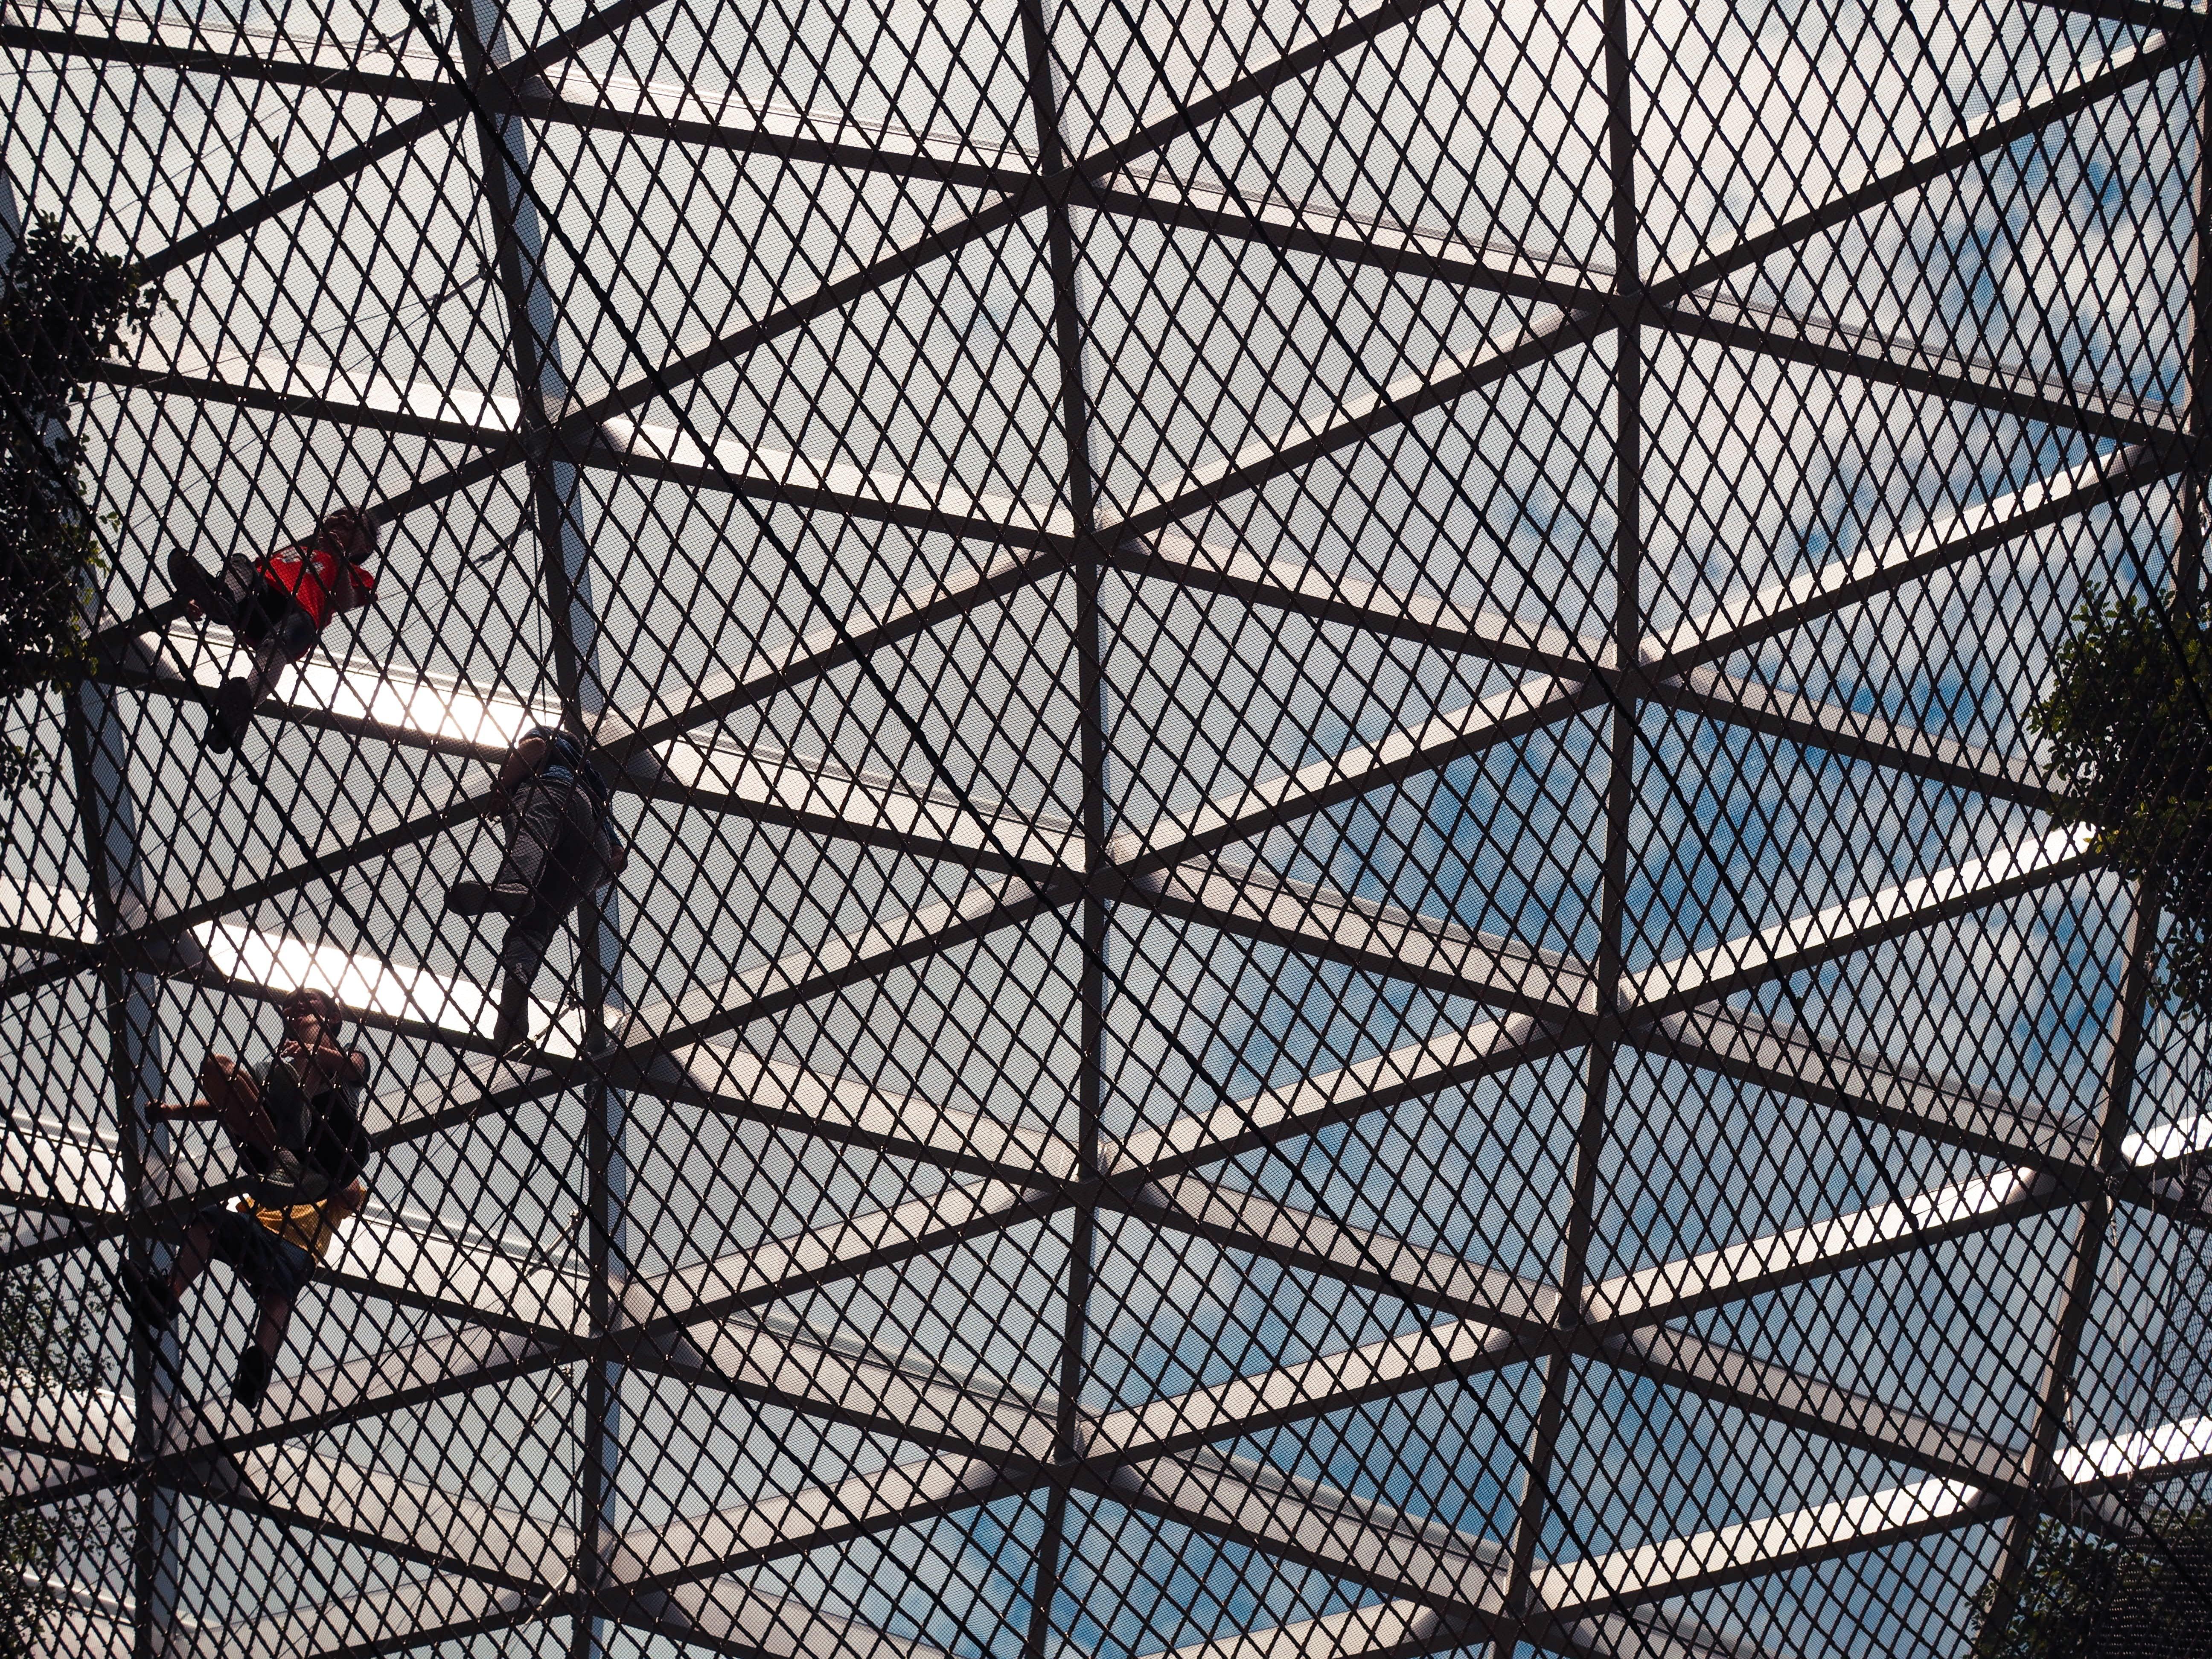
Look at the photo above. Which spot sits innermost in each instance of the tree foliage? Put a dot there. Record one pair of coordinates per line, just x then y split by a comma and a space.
2127, 722
65, 307
42, 1349
2084, 1599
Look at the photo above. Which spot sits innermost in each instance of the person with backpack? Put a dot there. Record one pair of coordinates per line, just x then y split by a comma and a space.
278, 606
295, 1123
561, 847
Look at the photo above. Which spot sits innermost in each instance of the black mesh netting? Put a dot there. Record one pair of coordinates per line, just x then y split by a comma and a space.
1288, 886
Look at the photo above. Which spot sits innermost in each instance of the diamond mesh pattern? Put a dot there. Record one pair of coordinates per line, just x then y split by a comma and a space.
1341, 940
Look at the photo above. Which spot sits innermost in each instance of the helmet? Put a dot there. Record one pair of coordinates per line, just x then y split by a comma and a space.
352, 531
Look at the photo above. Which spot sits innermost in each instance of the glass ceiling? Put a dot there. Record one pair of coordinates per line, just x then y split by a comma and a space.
1342, 940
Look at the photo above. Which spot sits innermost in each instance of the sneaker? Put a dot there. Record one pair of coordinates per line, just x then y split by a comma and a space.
468, 898
191, 580
236, 701
150, 1299
230, 711
473, 898
250, 1382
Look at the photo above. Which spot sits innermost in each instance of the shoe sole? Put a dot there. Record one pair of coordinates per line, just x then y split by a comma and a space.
144, 1298
467, 899
229, 715
250, 1394
190, 578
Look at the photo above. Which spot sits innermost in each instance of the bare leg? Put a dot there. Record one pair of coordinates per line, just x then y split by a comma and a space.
191, 1260
276, 1320
236, 1097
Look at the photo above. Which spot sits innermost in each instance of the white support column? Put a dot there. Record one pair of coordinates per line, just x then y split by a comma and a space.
99, 754
542, 386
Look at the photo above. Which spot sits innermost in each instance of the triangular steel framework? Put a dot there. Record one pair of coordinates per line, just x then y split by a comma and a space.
1346, 941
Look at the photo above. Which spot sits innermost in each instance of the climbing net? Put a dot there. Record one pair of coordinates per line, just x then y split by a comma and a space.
1341, 936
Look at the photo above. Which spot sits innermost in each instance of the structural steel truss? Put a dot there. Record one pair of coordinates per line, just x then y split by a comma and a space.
1342, 937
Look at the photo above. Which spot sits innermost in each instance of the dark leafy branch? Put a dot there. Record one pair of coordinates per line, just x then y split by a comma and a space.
2126, 722
44, 1351
2084, 1599
65, 306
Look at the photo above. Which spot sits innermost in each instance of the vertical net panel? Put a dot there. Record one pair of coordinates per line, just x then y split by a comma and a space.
1243, 832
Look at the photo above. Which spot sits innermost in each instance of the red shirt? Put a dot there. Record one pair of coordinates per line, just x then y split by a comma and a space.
311, 575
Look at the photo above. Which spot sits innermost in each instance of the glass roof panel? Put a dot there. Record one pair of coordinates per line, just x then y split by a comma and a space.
1340, 931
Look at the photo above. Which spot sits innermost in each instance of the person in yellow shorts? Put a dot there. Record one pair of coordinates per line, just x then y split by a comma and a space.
296, 1124
273, 1250
295, 1120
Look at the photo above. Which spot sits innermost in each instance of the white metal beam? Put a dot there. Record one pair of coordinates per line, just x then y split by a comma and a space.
1706, 692
1731, 1273
1450, 1059
1677, 1566
1260, 1225
1349, 601
775, 1268
733, 1617
1529, 1310
772, 786
1680, 1360
1452, 1349
1503, 973
708, 1011
1769, 1055
90, 1428
1526, 336
860, 1113
445, 1606
776, 1359
684, 1549
1403, 1629
1385, 1630
1297, 1521
1856, 924
1886, 565
1359, 769
1301, 916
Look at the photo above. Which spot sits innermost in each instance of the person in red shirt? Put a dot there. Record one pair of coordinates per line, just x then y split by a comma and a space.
278, 606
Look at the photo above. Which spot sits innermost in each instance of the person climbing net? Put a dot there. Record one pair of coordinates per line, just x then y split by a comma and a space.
278, 606
295, 1124
561, 847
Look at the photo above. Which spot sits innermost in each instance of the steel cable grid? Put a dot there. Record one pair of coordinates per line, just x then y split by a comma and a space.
1238, 1081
